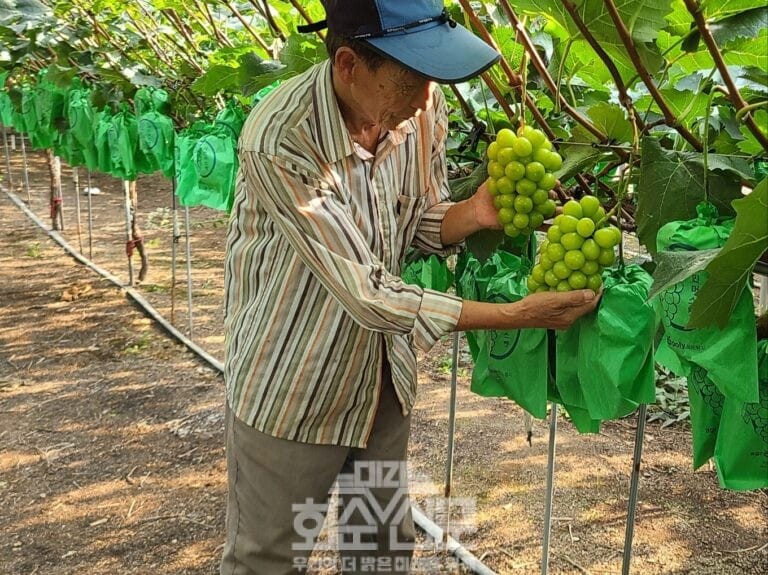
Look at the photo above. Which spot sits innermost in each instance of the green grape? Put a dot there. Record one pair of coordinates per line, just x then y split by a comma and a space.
505, 156
607, 257
493, 150
525, 187
590, 267
568, 224
514, 170
598, 216
590, 249
545, 263
507, 200
547, 209
491, 185
605, 238
533, 285
561, 270
534, 171
572, 208
555, 252
504, 185
553, 162
511, 230
522, 146
505, 215
495, 169
554, 234
577, 280
523, 204
539, 197
563, 286
505, 138
551, 279
572, 241
589, 205
547, 181
535, 220
585, 228
537, 273
574, 259
520, 221
594, 282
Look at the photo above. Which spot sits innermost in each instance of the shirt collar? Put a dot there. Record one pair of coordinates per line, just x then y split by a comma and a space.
334, 140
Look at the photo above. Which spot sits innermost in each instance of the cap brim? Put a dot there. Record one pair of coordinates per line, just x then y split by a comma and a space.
442, 53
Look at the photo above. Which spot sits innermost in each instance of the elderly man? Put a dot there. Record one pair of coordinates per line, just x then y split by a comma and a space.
341, 170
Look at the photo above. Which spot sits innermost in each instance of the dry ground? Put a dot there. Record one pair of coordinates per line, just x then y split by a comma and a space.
111, 457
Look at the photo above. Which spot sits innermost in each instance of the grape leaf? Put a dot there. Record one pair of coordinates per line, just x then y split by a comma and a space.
674, 267
728, 272
611, 120
463, 188
215, 79
672, 184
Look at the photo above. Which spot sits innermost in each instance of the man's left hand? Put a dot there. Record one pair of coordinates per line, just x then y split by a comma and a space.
483, 210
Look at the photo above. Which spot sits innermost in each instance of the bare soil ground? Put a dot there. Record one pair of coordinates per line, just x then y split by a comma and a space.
111, 441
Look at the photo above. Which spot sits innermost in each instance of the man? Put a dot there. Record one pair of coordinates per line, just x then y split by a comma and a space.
341, 170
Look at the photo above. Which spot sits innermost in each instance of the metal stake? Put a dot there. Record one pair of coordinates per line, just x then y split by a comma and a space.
76, 180
90, 219
128, 230
7, 161
26, 170
550, 488
630, 532
174, 244
451, 432
189, 270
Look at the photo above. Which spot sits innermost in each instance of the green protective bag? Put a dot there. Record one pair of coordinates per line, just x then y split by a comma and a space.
122, 140
156, 142
615, 359
726, 354
6, 105
81, 117
50, 104
103, 122
428, 273
28, 115
206, 164
511, 363
150, 99
741, 451
231, 119
706, 403
468, 269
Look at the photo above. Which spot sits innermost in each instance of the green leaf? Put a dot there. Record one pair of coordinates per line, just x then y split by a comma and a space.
728, 272
611, 120
674, 267
672, 184
216, 79
483, 243
750, 145
579, 158
463, 188
747, 24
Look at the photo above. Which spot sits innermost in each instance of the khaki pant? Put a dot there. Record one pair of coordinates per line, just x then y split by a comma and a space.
267, 476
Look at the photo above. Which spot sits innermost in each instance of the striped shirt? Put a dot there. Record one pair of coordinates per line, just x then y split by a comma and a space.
318, 230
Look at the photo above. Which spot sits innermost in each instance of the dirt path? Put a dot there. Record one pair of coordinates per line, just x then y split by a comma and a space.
111, 456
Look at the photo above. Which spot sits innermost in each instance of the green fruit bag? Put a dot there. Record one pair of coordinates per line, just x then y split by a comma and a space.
726, 354
741, 451
470, 287
511, 363
81, 117
615, 358
428, 273
156, 142
122, 140
706, 403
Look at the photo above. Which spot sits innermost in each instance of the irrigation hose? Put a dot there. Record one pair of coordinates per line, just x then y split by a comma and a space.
424, 522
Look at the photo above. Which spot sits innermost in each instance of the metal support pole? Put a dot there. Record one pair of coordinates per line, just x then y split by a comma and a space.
451, 431
8, 174
550, 488
630, 532
174, 244
128, 230
76, 181
58, 193
189, 270
763, 298
90, 219
26, 169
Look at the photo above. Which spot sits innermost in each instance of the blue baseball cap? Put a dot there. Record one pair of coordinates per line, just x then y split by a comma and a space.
419, 34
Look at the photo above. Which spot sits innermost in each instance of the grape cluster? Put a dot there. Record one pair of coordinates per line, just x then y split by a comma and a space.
757, 415
578, 246
670, 301
520, 170
702, 385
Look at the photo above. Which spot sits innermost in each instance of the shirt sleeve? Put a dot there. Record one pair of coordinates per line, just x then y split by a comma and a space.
321, 228
427, 236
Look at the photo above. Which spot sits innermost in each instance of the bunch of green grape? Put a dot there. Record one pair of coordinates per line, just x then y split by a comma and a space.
578, 247
520, 170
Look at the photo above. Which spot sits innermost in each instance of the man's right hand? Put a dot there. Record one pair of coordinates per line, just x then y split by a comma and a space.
553, 310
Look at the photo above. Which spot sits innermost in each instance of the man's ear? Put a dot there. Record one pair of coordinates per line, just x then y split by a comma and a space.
346, 64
